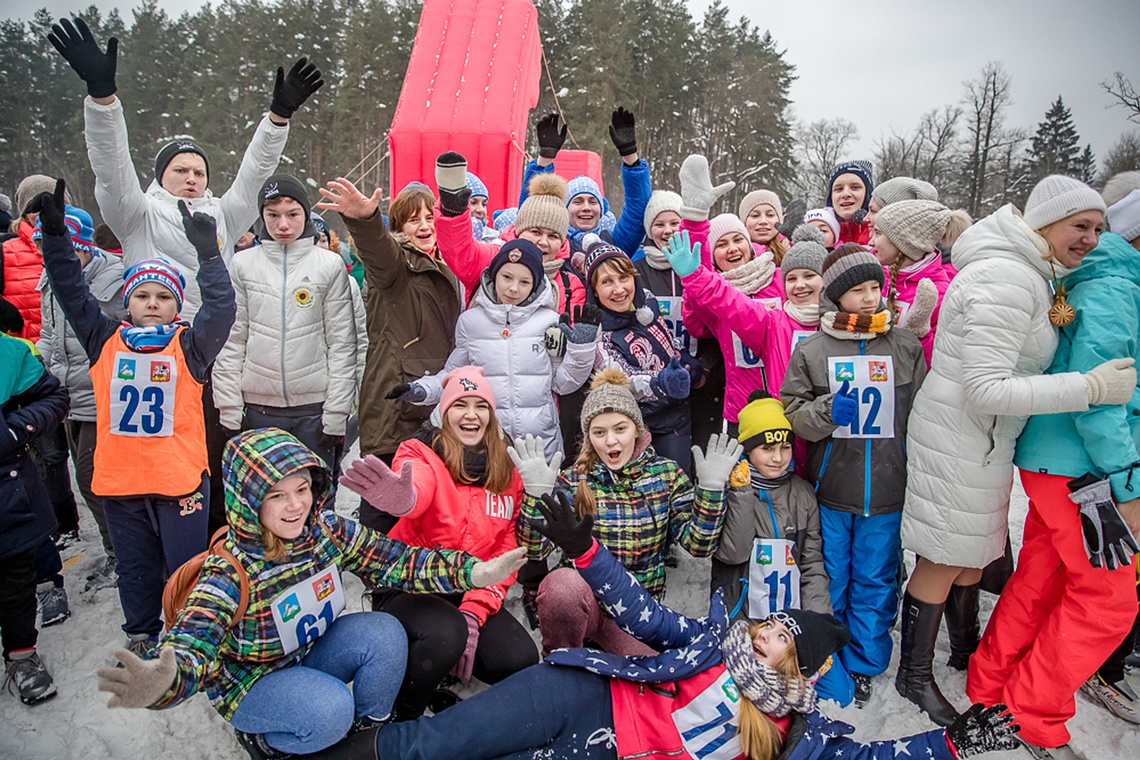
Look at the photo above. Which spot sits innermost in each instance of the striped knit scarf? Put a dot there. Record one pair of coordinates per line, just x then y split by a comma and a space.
847, 326
148, 340
769, 691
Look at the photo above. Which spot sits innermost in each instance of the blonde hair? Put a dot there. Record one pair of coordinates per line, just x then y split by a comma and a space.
778, 246
274, 545
759, 736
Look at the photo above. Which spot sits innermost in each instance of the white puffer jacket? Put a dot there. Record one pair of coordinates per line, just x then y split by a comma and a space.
294, 341
509, 343
994, 341
149, 225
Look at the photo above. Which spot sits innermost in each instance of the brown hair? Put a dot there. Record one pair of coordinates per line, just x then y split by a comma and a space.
893, 272
407, 204
500, 468
584, 501
274, 545
759, 735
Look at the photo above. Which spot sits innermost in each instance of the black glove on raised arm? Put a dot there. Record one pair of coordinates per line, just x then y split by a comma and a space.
562, 526
201, 231
451, 178
550, 137
78, 47
793, 217
292, 90
623, 132
51, 207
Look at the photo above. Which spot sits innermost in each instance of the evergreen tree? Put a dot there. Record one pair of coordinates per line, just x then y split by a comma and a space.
1055, 148
1086, 166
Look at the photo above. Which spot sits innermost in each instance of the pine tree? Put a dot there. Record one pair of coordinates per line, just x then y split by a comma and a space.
1086, 166
1055, 148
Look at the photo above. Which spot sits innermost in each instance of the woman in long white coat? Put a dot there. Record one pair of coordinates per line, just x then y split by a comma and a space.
996, 336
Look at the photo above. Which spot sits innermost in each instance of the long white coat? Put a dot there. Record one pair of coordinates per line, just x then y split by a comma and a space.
149, 225
994, 341
509, 343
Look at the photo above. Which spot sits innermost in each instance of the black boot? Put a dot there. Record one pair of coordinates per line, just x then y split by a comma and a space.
915, 677
962, 624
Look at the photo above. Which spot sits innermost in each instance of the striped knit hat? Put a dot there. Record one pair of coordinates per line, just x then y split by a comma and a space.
848, 266
79, 226
154, 270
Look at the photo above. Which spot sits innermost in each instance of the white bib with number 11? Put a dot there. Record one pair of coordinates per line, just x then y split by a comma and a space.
872, 380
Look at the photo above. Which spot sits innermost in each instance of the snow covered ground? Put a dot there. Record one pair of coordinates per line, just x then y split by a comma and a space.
77, 724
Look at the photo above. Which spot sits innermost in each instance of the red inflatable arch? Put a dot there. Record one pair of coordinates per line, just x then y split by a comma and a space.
571, 163
472, 81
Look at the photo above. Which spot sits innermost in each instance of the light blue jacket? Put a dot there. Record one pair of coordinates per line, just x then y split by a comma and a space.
1105, 291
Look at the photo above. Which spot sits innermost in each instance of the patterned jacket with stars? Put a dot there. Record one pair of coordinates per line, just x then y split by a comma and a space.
682, 703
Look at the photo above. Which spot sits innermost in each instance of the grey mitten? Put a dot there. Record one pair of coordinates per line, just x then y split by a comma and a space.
139, 682
714, 466
529, 456
1111, 383
917, 318
697, 192
498, 569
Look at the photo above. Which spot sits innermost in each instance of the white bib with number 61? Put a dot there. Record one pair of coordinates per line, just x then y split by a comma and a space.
305, 611
872, 383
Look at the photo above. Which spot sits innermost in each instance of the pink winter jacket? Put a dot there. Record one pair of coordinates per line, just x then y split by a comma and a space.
703, 318
930, 268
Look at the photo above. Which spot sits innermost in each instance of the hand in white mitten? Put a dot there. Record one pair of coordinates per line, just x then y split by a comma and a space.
1111, 383
139, 683
917, 318
498, 568
529, 457
715, 465
697, 192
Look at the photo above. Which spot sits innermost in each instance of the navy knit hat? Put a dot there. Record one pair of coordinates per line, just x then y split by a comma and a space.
817, 636
283, 186
519, 251
172, 149
861, 169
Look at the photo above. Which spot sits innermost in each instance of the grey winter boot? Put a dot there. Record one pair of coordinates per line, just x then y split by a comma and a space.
52, 601
962, 624
915, 677
26, 671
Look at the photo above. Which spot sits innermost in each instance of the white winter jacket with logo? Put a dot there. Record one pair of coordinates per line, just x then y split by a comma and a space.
509, 343
294, 341
149, 225
994, 341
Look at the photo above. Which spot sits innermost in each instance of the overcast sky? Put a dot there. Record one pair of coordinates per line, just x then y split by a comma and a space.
883, 63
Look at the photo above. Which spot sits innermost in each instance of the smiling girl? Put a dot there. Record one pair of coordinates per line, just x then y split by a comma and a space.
761, 211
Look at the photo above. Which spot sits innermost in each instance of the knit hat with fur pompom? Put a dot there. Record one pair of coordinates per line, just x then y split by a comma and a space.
545, 206
610, 391
807, 251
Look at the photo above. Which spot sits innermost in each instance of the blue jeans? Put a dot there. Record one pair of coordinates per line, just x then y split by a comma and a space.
563, 712
861, 555
308, 707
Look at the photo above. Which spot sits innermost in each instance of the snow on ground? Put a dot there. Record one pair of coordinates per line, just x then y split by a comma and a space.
77, 724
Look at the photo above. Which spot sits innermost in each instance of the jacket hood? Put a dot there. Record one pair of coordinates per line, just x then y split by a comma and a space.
253, 463
1113, 257
1005, 235
542, 295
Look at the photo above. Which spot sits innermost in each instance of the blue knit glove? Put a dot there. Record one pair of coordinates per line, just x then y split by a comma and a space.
673, 381
684, 259
844, 405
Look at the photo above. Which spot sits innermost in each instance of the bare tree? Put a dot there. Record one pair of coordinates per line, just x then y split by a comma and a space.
1123, 156
1121, 89
927, 154
819, 146
986, 100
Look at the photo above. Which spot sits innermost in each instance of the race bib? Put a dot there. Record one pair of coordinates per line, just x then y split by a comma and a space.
708, 723
744, 356
872, 380
901, 308
142, 394
798, 335
773, 578
304, 612
771, 303
670, 309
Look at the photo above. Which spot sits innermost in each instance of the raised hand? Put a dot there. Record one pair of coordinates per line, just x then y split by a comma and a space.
290, 91
793, 217
52, 208
674, 381
715, 465
139, 682
451, 178
550, 136
587, 320
375, 482
562, 526
918, 317
683, 257
623, 132
844, 405
78, 47
983, 729
343, 198
529, 456
201, 231
697, 192
498, 569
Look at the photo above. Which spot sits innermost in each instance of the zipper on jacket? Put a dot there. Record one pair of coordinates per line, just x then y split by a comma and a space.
866, 456
823, 465
284, 298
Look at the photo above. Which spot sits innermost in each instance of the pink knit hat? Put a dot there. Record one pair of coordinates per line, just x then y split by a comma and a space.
722, 225
465, 381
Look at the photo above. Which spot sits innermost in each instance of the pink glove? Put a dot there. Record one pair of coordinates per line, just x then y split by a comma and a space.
381, 487
466, 662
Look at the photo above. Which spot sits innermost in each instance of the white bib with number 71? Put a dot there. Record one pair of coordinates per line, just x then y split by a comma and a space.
872, 380
305, 611
773, 578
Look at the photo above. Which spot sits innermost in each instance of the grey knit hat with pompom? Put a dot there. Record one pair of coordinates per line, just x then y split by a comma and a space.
807, 251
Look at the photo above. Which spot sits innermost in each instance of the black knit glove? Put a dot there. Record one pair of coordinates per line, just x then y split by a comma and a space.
451, 178
983, 729
201, 231
50, 207
78, 47
562, 526
793, 217
291, 90
550, 137
587, 319
623, 132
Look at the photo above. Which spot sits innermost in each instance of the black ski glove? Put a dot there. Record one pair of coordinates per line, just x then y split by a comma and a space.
1108, 541
562, 526
78, 47
550, 137
587, 319
201, 231
292, 90
623, 132
451, 178
50, 207
983, 729
793, 217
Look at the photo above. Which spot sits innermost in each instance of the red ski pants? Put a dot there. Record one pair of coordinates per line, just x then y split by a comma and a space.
1056, 621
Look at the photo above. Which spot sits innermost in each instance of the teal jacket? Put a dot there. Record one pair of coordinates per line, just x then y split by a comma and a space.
1105, 291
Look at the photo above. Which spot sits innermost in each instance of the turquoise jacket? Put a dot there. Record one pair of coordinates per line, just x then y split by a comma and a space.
1105, 291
